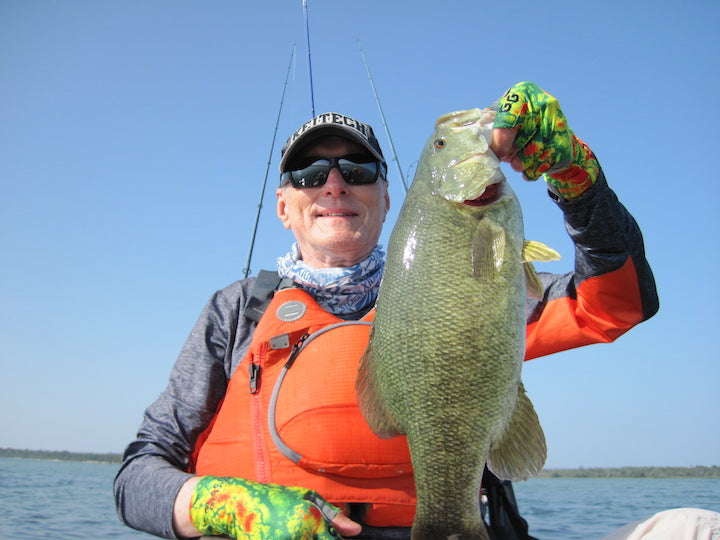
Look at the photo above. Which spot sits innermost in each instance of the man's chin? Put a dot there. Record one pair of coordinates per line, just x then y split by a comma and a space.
341, 250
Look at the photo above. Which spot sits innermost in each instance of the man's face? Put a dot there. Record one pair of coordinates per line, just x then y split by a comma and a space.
335, 224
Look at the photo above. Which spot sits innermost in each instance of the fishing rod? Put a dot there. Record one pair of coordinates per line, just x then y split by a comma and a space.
382, 115
307, 34
246, 270
372, 84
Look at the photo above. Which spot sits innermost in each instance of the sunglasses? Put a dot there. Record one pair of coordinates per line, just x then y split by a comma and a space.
356, 170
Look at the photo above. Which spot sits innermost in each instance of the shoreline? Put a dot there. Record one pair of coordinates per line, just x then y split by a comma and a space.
700, 471
60, 455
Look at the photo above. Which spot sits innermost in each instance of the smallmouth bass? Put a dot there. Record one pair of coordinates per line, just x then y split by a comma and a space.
445, 354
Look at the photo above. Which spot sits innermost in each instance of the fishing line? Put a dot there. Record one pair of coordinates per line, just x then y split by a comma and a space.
410, 167
382, 115
246, 270
307, 34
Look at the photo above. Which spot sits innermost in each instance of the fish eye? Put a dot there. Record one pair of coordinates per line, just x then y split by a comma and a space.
439, 143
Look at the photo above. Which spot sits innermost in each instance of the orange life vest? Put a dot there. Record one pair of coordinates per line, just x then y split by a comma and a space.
317, 420
297, 423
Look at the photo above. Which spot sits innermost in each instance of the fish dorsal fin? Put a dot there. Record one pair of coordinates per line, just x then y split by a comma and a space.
536, 251
370, 398
521, 451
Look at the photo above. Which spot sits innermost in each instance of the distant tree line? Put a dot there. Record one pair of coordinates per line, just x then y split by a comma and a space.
59, 455
633, 472
595, 472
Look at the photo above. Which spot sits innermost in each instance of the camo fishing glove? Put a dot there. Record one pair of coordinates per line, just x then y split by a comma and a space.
250, 510
545, 143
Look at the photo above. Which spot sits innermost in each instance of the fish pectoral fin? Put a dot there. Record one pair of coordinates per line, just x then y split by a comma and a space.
521, 452
369, 398
535, 251
488, 248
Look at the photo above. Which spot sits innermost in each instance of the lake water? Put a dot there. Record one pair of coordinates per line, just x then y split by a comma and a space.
588, 508
58, 500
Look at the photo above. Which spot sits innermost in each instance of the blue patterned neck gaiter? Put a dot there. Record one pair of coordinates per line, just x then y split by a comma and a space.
338, 290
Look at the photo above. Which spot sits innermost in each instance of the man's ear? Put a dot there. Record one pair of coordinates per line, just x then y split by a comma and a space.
387, 203
282, 208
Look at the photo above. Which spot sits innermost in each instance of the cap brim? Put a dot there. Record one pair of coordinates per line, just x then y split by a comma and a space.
324, 130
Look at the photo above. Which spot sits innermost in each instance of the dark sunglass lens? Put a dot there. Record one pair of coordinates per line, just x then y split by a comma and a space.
312, 176
358, 173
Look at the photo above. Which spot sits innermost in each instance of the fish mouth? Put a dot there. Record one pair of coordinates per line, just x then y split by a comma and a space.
489, 195
473, 159
481, 163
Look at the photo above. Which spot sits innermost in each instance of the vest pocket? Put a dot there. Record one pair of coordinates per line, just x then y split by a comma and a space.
315, 420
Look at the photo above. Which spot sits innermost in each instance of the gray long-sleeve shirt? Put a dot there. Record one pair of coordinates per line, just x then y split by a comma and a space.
153, 470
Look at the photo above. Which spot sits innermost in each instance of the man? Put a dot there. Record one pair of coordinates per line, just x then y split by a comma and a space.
235, 427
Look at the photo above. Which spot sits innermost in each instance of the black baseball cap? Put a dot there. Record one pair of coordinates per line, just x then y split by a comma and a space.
330, 123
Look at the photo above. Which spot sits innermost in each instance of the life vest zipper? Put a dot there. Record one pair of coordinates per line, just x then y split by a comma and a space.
296, 350
254, 371
256, 418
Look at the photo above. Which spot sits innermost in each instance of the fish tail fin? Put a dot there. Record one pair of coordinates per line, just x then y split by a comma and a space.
536, 251
520, 453
370, 399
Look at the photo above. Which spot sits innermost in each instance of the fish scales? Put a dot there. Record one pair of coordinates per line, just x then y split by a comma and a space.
445, 354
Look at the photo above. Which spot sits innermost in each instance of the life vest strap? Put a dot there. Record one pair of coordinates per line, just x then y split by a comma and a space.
266, 283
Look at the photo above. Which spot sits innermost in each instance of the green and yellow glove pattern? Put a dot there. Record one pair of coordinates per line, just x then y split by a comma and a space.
545, 143
250, 510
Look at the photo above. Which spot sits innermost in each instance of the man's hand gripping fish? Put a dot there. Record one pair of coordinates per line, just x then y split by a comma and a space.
447, 346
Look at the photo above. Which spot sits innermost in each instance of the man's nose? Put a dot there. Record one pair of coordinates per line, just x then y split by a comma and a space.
335, 184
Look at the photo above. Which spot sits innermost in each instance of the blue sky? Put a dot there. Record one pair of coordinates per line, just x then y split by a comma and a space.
135, 136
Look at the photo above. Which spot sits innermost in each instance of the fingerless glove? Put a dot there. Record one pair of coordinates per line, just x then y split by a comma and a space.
546, 144
251, 510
